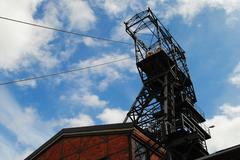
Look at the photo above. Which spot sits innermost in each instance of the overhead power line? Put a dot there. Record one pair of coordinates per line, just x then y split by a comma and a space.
61, 72
65, 31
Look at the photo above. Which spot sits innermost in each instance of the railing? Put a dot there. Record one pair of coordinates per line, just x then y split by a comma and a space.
205, 128
198, 109
202, 124
188, 125
203, 144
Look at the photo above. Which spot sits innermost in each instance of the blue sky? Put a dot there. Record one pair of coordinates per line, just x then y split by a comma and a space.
33, 111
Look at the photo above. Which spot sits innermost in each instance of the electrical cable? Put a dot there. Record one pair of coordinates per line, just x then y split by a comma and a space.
62, 72
64, 31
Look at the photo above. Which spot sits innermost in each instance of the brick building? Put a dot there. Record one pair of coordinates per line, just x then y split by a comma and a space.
103, 142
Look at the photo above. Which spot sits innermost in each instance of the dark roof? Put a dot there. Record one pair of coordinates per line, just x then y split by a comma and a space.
86, 131
231, 153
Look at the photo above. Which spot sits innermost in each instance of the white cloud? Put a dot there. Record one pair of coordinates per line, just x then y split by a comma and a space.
91, 42
23, 45
96, 79
78, 121
230, 111
30, 83
28, 127
226, 131
184, 8
113, 7
119, 33
154, 3
120, 8
80, 14
25, 124
112, 115
9, 151
86, 99
6, 150
189, 9
235, 76
108, 73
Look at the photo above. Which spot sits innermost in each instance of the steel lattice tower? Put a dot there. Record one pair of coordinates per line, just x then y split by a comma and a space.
166, 105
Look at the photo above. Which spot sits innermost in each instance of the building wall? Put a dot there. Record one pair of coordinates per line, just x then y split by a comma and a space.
141, 151
104, 147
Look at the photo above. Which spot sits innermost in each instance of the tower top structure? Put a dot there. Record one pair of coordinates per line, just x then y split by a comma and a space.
166, 105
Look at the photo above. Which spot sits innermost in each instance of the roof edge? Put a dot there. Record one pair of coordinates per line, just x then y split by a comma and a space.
88, 130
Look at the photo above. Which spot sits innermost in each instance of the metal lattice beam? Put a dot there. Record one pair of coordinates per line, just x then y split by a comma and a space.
167, 92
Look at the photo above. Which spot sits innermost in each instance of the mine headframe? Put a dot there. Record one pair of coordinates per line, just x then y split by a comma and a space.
165, 107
